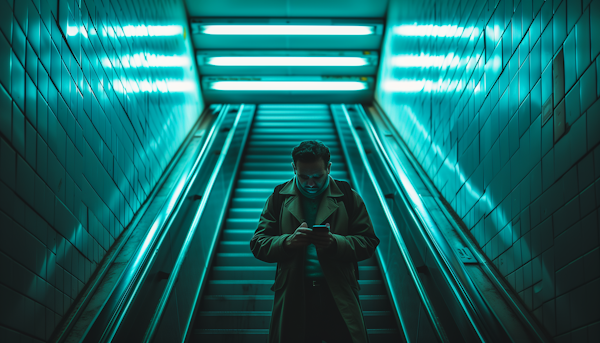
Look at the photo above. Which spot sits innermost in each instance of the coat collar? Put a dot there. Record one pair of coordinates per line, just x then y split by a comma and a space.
327, 206
333, 191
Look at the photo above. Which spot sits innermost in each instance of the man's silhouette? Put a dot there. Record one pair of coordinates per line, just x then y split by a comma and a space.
316, 287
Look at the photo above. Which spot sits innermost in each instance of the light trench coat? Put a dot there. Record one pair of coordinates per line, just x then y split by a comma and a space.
355, 241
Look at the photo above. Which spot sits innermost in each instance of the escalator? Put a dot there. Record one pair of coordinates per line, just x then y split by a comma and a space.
237, 301
187, 274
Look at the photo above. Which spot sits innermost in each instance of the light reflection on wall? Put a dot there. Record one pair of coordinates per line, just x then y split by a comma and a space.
132, 31
111, 93
451, 31
425, 61
146, 82
147, 60
429, 64
145, 86
468, 104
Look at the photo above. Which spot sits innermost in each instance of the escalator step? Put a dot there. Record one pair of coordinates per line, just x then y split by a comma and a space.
263, 287
261, 335
286, 175
294, 138
267, 272
261, 319
239, 234
249, 213
278, 166
247, 259
283, 157
285, 151
317, 131
265, 303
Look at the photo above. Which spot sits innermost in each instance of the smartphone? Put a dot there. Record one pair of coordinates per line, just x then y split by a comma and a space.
320, 228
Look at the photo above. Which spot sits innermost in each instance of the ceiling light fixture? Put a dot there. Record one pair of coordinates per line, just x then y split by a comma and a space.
288, 85
288, 61
303, 30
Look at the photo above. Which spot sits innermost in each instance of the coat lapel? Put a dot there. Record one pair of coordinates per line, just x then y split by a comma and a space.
292, 203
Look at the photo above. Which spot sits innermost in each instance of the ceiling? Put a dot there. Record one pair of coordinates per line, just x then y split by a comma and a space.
288, 8
292, 12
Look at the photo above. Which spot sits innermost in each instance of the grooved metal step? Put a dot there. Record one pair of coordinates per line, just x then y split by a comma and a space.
236, 300
247, 259
284, 151
262, 287
278, 166
261, 335
261, 319
285, 175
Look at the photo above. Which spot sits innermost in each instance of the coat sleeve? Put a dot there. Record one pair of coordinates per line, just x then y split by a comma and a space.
360, 243
267, 243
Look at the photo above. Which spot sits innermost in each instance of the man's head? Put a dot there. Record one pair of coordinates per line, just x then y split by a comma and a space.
311, 165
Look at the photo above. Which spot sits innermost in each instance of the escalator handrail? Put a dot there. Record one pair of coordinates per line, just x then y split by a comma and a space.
193, 227
462, 287
125, 290
532, 326
424, 298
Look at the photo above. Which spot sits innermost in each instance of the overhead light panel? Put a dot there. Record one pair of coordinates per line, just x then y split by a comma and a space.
288, 86
285, 30
304, 61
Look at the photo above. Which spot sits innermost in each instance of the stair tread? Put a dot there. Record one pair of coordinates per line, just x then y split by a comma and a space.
266, 331
268, 313
261, 282
241, 296
243, 331
271, 267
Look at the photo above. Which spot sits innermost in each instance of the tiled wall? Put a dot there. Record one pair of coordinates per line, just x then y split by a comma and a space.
95, 99
465, 83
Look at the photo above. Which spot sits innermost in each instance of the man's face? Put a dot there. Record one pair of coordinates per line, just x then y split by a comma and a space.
312, 175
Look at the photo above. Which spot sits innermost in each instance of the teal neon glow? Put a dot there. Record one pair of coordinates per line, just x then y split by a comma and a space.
149, 31
149, 61
159, 86
335, 30
407, 86
131, 31
435, 31
426, 61
288, 61
288, 86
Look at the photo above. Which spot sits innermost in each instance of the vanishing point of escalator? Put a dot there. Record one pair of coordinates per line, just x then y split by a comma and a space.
236, 302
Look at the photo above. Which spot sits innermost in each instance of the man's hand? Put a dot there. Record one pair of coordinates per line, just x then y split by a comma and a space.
299, 239
323, 240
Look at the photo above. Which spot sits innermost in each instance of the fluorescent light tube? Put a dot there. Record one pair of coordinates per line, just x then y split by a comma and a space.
288, 61
288, 85
336, 30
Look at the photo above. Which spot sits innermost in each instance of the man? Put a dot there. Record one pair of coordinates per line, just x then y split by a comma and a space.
316, 287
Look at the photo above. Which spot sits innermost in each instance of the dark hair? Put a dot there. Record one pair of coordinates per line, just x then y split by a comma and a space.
310, 151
